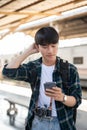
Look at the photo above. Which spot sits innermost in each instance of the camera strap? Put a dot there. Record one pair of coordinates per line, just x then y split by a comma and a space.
50, 106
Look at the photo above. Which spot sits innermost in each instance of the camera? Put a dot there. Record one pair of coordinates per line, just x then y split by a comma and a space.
42, 112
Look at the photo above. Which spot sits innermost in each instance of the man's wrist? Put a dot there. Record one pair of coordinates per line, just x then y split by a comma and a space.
64, 98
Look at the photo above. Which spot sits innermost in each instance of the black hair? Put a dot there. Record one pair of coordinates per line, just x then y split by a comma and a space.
46, 35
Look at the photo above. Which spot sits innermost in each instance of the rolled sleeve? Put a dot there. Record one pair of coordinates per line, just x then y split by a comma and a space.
75, 89
20, 73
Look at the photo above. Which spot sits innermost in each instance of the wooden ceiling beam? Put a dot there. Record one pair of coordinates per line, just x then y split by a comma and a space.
5, 2
21, 19
9, 19
48, 5
34, 2
13, 16
24, 13
17, 13
9, 26
17, 5
67, 7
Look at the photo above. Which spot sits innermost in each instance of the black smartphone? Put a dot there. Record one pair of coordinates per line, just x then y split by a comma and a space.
49, 85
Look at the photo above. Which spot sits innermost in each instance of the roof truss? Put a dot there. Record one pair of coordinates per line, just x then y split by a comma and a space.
14, 13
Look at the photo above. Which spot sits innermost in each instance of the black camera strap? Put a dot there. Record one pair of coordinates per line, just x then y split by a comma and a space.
50, 106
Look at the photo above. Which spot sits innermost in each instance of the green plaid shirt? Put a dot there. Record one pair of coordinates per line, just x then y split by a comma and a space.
31, 72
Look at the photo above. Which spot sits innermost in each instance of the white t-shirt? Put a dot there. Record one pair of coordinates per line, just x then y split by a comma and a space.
46, 76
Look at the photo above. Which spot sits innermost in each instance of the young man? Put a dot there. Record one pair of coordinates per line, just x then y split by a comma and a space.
50, 109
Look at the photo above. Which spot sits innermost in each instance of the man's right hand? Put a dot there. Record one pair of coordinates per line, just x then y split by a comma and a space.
33, 48
20, 58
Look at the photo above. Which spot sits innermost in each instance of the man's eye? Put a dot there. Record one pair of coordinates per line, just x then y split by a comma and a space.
44, 46
53, 46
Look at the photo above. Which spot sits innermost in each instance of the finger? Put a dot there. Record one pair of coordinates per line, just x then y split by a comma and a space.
50, 90
56, 88
55, 92
50, 94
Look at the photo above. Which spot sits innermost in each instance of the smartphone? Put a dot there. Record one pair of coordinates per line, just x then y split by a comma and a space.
49, 85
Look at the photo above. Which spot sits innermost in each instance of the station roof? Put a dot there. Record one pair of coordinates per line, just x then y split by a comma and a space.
24, 15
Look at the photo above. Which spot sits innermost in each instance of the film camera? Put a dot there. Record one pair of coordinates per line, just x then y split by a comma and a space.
42, 112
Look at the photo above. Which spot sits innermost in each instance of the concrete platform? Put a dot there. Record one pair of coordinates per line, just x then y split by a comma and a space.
3, 126
82, 116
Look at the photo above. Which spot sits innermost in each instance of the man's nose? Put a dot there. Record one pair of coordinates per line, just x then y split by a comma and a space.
49, 49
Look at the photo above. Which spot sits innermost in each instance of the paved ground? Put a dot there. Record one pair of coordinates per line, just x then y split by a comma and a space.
81, 120
82, 116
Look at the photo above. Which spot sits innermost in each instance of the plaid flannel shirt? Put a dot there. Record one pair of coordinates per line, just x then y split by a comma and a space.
31, 72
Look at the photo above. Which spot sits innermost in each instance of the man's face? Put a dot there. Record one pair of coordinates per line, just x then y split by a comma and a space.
48, 52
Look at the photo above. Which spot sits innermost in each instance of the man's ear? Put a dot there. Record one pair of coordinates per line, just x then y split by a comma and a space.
37, 46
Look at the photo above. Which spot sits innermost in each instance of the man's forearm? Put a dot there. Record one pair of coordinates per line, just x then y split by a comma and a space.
19, 59
70, 101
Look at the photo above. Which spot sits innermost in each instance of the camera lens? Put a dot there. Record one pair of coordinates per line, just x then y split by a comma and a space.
48, 112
